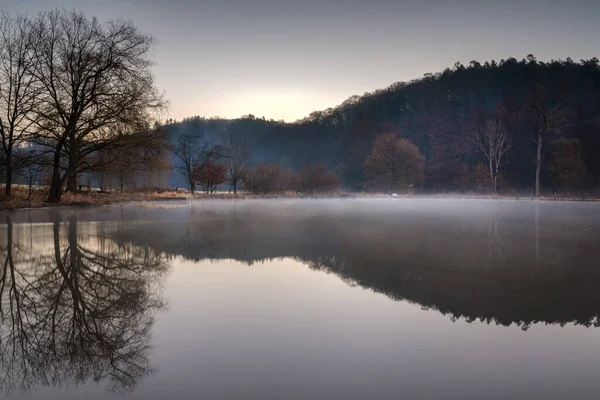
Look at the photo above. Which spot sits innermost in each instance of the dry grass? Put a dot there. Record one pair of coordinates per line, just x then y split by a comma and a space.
95, 198
20, 198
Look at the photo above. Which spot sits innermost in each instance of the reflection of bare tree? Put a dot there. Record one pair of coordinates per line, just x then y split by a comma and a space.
15, 337
82, 312
495, 242
537, 232
544, 276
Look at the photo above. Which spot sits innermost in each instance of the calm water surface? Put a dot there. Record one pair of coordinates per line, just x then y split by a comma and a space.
323, 299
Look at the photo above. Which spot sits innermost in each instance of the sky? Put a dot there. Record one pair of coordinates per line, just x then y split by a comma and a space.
283, 59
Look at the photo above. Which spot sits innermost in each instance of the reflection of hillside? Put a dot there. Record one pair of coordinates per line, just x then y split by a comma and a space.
74, 307
491, 265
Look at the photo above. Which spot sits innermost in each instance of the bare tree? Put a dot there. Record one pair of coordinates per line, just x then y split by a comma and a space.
195, 153
127, 157
550, 112
96, 83
238, 158
494, 141
31, 164
18, 91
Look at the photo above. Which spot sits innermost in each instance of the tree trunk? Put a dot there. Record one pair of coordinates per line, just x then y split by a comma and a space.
191, 182
9, 174
234, 184
9, 237
71, 181
30, 184
492, 177
55, 184
538, 164
73, 243
72, 173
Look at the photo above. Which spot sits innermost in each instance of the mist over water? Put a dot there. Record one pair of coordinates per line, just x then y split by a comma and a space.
338, 298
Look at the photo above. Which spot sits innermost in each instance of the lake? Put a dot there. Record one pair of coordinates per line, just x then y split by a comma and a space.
302, 299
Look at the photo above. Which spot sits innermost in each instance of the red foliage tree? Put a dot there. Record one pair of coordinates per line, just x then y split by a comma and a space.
209, 176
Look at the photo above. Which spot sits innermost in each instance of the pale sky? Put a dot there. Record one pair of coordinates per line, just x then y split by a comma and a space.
283, 59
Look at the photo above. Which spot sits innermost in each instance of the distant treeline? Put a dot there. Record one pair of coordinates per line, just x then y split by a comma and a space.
453, 118
79, 107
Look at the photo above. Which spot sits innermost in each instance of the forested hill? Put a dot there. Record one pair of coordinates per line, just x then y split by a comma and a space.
441, 113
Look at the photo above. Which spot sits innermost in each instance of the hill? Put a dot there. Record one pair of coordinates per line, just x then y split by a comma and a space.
441, 114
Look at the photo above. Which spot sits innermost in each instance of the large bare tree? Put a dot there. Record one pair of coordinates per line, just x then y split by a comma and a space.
238, 158
494, 141
194, 153
18, 91
96, 83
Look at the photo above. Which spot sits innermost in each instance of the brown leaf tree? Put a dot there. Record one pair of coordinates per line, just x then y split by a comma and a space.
318, 179
263, 179
268, 178
394, 164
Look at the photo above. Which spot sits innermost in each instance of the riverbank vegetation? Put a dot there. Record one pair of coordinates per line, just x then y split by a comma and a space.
80, 115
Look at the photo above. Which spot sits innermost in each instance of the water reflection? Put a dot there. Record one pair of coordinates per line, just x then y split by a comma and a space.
502, 262
74, 307
79, 292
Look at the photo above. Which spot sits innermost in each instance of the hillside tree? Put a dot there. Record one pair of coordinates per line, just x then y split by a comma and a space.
393, 164
550, 111
566, 164
316, 179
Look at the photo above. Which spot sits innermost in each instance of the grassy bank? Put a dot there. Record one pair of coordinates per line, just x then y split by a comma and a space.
21, 198
37, 199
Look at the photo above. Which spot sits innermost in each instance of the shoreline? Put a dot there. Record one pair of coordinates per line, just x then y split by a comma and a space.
86, 200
